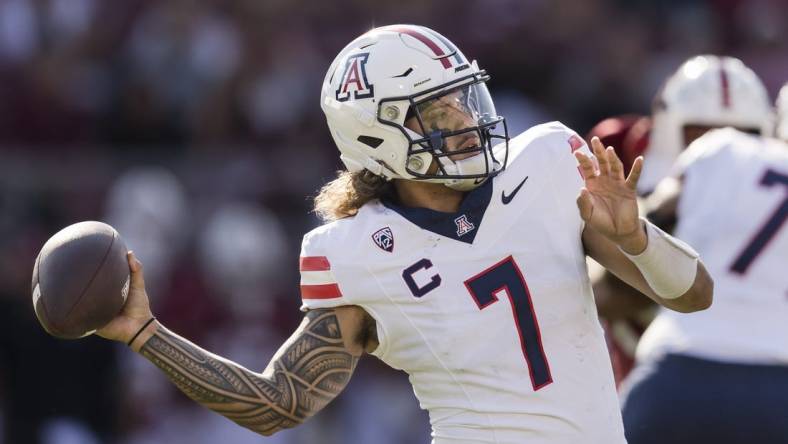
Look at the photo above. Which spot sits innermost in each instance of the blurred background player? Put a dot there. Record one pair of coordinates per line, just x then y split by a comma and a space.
719, 376
704, 93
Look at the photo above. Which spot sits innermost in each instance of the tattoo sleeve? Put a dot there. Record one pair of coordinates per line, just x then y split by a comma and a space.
307, 372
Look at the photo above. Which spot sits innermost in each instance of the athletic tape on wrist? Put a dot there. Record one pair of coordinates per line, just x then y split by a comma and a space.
668, 264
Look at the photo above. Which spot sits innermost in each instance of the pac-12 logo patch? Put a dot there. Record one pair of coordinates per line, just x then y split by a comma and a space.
384, 239
354, 79
463, 225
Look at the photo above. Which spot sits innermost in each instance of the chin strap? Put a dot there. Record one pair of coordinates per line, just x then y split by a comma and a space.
482, 163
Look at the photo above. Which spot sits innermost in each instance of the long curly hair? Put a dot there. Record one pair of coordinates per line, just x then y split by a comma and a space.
345, 195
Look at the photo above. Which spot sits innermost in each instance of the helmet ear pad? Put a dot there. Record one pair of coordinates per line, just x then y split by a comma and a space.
422, 163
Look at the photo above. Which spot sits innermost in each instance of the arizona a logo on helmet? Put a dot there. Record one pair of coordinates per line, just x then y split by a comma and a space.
354, 79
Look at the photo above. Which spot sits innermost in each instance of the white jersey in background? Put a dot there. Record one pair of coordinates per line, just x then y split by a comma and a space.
732, 210
489, 310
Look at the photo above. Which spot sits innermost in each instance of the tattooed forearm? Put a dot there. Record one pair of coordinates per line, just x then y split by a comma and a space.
305, 375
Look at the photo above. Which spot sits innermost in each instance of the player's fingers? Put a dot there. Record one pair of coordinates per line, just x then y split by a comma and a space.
634, 173
585, 204
587, 168
596, 145
616, 167
601, 157
137, 277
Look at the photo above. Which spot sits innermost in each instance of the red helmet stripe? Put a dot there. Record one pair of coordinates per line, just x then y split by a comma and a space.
726, 94
457, 57
426, 40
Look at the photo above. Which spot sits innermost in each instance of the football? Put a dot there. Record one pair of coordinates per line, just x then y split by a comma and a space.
80, 279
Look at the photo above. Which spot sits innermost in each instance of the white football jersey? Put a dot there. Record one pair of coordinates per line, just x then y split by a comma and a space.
732, 210
489, 310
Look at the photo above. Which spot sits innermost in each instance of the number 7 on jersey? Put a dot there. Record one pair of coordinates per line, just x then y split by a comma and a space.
768, 230
506, 276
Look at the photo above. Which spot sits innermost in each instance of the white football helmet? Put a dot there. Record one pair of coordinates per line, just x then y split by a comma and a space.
781, 122
706, 90
393, 73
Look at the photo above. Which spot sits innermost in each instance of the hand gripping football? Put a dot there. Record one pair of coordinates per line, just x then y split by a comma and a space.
80, 280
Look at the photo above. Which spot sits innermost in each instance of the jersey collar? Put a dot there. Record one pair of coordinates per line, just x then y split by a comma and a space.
462, 225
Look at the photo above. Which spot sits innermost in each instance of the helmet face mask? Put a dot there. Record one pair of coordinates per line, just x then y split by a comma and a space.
404, 103
455, 124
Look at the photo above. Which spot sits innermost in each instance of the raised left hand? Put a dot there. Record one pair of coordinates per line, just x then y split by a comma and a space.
608, 201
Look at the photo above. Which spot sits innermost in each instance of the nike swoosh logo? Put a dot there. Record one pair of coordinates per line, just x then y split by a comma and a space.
506, 199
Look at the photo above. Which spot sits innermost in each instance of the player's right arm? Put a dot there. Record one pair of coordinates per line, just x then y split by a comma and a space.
310, 369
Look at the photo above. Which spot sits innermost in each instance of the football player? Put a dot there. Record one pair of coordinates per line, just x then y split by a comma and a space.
452, 253
705, 92
722, 375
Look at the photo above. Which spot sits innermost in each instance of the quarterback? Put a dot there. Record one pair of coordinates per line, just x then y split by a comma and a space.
451, 252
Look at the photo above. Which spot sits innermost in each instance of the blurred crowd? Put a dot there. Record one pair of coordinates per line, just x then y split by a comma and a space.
194, 128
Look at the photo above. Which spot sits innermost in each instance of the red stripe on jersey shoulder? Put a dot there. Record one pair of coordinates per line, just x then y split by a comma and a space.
314, 263
575, 142
324, 291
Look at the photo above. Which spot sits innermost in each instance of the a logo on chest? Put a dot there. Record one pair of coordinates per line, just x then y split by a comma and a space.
464, 226
384, 239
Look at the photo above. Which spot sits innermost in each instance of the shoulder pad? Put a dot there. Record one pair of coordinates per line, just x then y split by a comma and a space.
552, 139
